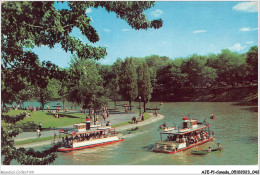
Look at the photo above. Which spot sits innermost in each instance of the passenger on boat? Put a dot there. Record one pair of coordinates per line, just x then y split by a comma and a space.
219, 146
183, 140
177, 139
198, 136
209, 150
192, 140
164, 124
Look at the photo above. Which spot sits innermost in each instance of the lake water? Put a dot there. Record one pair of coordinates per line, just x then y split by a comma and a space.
235, 128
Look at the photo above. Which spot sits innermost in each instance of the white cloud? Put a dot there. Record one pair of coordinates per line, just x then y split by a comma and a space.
89, 10
199, 31
157, 13
124, 30
249, 42
237, 47
247, 29
106, 30
246, 7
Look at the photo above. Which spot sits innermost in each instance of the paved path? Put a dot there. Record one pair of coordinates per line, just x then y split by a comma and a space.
113, 119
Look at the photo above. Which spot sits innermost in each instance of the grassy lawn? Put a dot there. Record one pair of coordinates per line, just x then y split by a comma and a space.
48, 120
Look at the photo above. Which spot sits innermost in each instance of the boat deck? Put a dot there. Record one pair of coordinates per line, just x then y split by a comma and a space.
183, 149
179, 132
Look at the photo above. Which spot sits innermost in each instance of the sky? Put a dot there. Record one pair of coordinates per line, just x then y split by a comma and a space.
189, 27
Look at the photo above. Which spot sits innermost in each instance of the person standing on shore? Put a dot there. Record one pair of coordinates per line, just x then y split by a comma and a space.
40, 126
39, 132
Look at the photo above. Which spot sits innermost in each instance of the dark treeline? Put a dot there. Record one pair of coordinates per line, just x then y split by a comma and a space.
154, 77
167, 77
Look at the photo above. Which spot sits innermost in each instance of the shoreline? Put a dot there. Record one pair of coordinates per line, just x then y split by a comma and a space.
148, 121
152, 119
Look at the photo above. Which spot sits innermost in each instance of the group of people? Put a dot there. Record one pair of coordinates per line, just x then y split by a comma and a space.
190, 138
57, 116
84, 137
219, 148
135, 121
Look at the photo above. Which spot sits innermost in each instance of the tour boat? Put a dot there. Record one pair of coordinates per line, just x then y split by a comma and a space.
190, 135
80, 138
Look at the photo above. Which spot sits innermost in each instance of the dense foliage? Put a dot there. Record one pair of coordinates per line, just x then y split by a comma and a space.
26, 24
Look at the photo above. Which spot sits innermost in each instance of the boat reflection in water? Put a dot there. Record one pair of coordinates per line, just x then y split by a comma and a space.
191, 134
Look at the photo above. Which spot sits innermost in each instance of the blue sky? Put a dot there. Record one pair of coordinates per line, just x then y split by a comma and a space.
188, 27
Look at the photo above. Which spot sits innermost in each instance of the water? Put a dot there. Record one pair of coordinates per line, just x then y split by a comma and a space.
235, 128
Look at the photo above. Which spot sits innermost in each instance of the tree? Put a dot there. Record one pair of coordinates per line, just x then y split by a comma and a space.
227, 65
155, 63
114, 82
144, 84
171, 79
252, 61
27, 24
46, 25
193, 67
9, 130
128, 81
88, 89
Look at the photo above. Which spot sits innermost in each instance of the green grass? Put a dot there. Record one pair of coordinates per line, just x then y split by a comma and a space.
48, 120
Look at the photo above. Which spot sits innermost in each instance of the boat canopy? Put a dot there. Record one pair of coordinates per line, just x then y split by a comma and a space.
176, 132
89, 132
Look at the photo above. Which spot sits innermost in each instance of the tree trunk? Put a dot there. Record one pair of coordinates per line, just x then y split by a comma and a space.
42, 102
63, 103
115, 101
94, 116
144, 106
130, 102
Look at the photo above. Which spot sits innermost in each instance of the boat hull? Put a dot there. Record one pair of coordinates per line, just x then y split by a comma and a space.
183, 149
89, 146
203, 152
200, 152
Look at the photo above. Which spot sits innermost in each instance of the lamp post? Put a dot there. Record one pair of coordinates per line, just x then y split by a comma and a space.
139, 105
